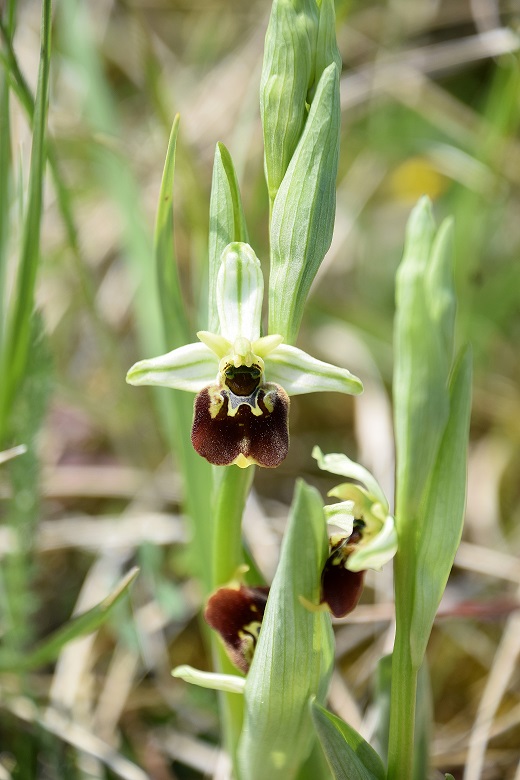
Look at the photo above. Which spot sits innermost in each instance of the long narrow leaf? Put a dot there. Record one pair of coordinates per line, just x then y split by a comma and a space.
442, 516
170, 296
304, 210
19, 326
5, 179
85, 623
287, 75
294, 655
423, 354
227, 222
348, 755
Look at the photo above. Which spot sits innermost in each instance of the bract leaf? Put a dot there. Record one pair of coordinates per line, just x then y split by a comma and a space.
326, 45
299, 373
191, 368
287, 74
227, 222
348, 755
442, 512
240, 290
304, 209
294, 655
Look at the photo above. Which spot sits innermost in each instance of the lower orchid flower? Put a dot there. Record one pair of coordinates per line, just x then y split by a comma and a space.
242, 380
366, 537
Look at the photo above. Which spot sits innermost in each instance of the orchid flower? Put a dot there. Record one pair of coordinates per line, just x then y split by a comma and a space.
366, 539
242, 380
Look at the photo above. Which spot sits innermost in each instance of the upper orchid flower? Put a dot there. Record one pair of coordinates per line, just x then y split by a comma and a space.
242, 379
366, 539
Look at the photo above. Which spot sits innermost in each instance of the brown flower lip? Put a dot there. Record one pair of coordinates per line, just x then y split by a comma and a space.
246, 427
236, 612
341, 588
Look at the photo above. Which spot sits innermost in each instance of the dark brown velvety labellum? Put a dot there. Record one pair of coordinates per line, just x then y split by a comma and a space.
249, 429
341, 588
236, 613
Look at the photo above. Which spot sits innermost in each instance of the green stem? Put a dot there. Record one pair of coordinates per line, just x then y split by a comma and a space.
231, 488
404, 674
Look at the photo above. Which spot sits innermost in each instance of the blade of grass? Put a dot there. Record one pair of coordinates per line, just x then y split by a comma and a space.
83, 624
115, 175
195, 470
170, 296
18, 335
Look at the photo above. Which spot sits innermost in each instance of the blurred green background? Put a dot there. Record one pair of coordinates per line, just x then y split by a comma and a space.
431, 104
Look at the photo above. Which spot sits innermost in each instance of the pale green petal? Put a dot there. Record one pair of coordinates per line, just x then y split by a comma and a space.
240, 290
341, 515
218, 344
191, 368
380, 549
348, 491
266, 344
337, 463
230, 683
297, 372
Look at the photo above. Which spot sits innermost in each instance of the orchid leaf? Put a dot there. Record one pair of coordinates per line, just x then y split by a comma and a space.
423, 350
348, 755
304, 209
287, 75
442, 513
294, 655
227, 222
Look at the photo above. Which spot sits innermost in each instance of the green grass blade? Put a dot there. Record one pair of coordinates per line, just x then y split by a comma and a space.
19, 326
172, 307
83, 624
348, 755
5, 178
176, 333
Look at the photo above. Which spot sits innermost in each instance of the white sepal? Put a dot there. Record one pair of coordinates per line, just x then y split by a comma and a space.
230, 683
377, 551
297, 372
191, 368
340, 515
240, 290
337, 463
